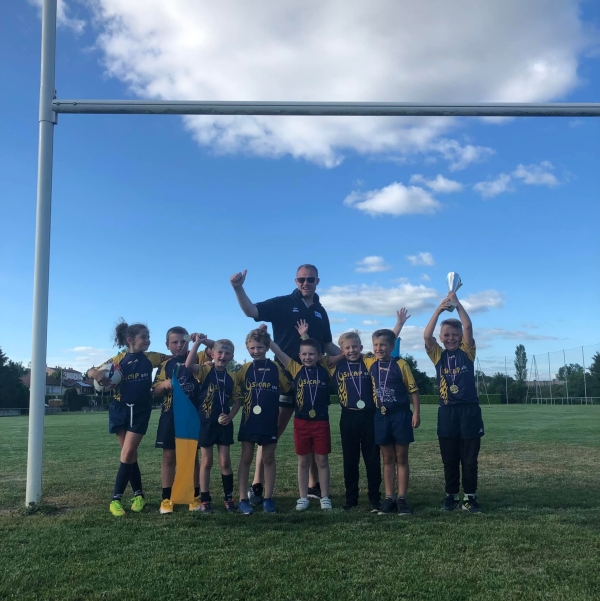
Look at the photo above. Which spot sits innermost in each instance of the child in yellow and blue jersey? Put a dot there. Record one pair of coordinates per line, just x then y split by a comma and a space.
260, 383
394, 422
460, 424
177, 343
129, 412
312, 436
217, 389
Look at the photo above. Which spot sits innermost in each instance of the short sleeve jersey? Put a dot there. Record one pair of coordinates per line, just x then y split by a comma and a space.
217, 388
285, 311
260, 383
136, 382
354, 383
312, 389
393, 382
455, 371
186, 379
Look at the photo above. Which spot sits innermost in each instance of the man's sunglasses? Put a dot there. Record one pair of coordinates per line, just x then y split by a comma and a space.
310, 280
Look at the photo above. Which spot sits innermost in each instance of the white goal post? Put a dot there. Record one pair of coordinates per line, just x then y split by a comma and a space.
48, 111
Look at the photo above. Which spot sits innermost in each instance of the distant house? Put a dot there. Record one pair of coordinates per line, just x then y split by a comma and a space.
53, 385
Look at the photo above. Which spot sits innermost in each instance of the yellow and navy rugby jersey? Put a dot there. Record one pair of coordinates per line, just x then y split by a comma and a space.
260, 383
203, 358
186, 379
351, 378
311, 383
217, 388
455, 368
393, 382
136, 383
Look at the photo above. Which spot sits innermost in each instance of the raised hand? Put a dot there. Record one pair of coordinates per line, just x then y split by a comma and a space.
302, 327
237, 279
196, 337
402, 316
263, 326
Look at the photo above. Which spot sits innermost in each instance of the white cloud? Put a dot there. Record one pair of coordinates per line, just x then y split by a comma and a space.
62, 16
460, 157
370, 322
395, 199
490, 334
81, 357
480, 302
440, 184
337, 319
536, 175
421, 259
341, 50
425, 277
493, 188
371, 265
412, 338
377, 300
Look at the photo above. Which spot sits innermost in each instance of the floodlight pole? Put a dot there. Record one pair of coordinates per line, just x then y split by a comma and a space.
37, 395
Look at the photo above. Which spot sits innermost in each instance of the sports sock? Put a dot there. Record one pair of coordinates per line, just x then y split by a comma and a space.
468, 496
135, 478
197, 491
227, 486
121, 480
257, 489
166, 493
205, 497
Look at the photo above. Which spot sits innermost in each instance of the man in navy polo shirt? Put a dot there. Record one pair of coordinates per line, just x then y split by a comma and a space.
284, 312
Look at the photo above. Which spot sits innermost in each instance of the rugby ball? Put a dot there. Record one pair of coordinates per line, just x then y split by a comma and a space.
113, 373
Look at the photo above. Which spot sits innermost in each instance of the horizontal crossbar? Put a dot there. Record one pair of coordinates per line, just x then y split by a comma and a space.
365, 109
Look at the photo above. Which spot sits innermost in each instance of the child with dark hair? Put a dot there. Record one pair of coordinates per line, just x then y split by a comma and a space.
460, 425
129, 412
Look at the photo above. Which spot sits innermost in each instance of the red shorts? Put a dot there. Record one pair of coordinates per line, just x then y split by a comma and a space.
312, 436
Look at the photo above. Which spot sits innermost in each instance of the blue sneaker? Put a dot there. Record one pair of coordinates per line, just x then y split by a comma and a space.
268, 506
245, 507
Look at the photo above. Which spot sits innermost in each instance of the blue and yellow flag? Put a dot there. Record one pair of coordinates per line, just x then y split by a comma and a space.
187, 430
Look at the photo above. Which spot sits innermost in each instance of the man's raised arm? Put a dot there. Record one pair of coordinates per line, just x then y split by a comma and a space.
248, 307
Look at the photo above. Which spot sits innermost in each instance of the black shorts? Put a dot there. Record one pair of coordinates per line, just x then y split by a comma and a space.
131, 418
212, 433
393, 428
460, 421
259, 439
165, 434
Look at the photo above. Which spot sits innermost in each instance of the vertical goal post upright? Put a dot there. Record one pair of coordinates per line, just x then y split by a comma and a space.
50, 107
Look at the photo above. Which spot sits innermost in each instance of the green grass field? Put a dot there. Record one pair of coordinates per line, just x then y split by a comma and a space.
539, 537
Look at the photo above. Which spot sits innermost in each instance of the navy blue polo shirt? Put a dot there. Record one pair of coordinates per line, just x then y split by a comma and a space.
285, 311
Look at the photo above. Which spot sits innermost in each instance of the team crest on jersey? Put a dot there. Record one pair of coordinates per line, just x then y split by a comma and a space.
295, 310
318, 315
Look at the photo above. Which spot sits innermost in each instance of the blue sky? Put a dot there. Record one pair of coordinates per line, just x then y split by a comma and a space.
151, 215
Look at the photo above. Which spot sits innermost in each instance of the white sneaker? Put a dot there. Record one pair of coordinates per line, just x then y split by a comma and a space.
302, 504
325, 503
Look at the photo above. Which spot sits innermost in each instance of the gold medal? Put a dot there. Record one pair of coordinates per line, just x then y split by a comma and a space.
360, 404
257, 409
454, 389
312, 413
383, 410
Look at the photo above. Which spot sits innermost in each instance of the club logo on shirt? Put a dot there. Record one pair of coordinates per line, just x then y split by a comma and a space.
317, 314
295, 310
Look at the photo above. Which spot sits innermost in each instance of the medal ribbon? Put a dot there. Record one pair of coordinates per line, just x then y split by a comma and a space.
221, 396
313, 397
359, 387
452, 375
259, 389
386, 379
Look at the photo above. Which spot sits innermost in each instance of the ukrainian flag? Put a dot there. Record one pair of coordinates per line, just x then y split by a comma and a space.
187, 430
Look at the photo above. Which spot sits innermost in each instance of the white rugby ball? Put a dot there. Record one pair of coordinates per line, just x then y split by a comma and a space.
113, 373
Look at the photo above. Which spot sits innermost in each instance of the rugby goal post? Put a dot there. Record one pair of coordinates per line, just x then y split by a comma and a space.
49, 109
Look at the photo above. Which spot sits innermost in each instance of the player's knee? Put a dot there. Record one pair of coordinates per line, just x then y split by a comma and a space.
322, 461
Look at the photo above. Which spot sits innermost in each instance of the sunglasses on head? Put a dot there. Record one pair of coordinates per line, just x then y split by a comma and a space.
310, 280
